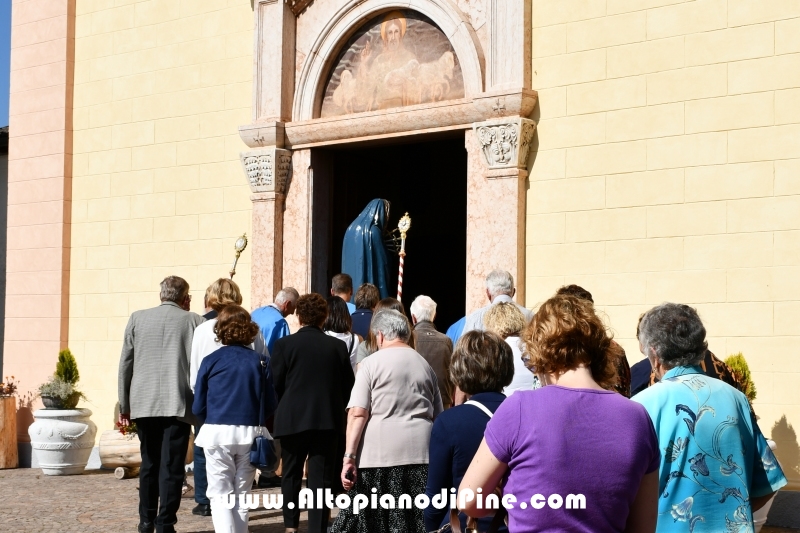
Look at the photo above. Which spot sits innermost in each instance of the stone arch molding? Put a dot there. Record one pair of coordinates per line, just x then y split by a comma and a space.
450, 20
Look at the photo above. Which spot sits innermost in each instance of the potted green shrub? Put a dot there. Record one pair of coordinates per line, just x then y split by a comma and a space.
62, 437
59, 391
741, 373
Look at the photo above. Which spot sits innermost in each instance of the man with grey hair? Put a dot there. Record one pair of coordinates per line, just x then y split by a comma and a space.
434, 346
272, 318
717, 467
390, 325
154, 392
499, 288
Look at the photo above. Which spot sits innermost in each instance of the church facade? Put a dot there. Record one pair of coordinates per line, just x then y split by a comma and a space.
644, 149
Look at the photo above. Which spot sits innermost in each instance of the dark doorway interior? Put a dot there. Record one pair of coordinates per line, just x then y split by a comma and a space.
426, 179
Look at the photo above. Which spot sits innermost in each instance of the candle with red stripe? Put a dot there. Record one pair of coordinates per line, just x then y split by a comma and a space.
404, 225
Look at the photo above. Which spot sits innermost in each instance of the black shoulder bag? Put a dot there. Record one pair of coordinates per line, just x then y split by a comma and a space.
262, 452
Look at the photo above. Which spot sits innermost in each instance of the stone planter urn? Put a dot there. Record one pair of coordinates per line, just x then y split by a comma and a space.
62, 440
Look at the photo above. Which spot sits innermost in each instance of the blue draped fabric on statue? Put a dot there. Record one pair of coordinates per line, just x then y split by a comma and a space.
363, 252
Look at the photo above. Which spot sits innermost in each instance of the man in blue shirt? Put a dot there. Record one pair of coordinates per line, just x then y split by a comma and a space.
272, 318
342, 286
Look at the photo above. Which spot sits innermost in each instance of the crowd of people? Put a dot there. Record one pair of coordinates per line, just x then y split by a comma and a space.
368, 399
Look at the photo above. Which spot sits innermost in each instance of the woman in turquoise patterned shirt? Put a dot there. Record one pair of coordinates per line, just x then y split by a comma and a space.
716, 466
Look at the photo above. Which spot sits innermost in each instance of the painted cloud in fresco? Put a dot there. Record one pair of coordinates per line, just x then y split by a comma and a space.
397, 59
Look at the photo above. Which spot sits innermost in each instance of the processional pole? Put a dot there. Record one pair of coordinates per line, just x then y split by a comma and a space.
404, 225
239, 246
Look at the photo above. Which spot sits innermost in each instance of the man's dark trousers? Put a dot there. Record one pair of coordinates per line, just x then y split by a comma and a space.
200, 478
164, 441
320, 447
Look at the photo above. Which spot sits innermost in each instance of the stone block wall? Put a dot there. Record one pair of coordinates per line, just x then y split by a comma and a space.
160, 88
668, 169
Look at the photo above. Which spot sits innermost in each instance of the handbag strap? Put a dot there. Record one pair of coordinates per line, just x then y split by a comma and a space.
480, 406
263, 395
500, 515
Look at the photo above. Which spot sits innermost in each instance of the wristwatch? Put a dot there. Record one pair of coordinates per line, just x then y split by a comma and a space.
350, 456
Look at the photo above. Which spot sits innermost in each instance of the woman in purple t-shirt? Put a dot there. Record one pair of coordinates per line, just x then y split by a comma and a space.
574, 456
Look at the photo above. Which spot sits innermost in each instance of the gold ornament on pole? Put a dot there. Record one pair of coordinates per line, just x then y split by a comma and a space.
239, 246
403, 226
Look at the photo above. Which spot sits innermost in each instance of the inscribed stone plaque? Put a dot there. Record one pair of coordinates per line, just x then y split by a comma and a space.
397, 59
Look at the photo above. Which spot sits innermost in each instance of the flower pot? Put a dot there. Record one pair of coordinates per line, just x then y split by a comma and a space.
9, 457
53, 402
62, 440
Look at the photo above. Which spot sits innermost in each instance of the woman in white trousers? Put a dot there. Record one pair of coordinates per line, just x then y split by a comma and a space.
231, 383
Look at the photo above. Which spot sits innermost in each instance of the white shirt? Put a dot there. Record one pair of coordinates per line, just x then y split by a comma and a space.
205, 343
224, 435
349, 339
523, 379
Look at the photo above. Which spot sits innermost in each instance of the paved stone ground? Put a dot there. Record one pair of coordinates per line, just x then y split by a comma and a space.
96, 501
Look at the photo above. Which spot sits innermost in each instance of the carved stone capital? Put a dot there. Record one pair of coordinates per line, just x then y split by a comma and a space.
267, 169
506, 142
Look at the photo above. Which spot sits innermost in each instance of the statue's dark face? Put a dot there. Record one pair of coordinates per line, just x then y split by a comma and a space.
386, 206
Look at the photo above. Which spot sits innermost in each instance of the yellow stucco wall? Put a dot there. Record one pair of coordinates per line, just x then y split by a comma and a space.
160, 89
668, 170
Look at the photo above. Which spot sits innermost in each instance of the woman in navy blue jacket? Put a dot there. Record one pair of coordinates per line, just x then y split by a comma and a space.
230, 386
481, 366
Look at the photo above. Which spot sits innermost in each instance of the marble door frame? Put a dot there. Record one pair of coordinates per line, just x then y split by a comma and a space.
493, 117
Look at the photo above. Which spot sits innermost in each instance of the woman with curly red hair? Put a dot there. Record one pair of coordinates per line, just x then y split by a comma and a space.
231, 384
571, 437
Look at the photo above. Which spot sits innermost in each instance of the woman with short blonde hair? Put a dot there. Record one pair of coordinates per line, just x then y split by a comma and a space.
206, 340
507, 320
221, 293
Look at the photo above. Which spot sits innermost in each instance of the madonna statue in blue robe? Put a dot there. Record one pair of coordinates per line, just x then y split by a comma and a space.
363, 252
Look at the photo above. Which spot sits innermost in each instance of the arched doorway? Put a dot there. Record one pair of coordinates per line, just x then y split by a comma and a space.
300, 149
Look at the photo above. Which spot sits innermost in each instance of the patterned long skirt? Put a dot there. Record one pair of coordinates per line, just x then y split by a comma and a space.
394, 480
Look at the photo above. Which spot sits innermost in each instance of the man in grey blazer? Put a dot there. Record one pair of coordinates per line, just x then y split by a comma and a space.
154, 392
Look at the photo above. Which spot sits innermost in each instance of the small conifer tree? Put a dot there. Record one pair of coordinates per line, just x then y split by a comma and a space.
741, 372
67, 367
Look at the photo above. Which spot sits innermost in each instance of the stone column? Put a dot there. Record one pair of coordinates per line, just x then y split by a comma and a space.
267, 170
496, 184
297, 227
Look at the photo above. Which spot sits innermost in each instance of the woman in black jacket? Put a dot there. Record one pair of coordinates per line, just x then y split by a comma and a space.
313, 378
